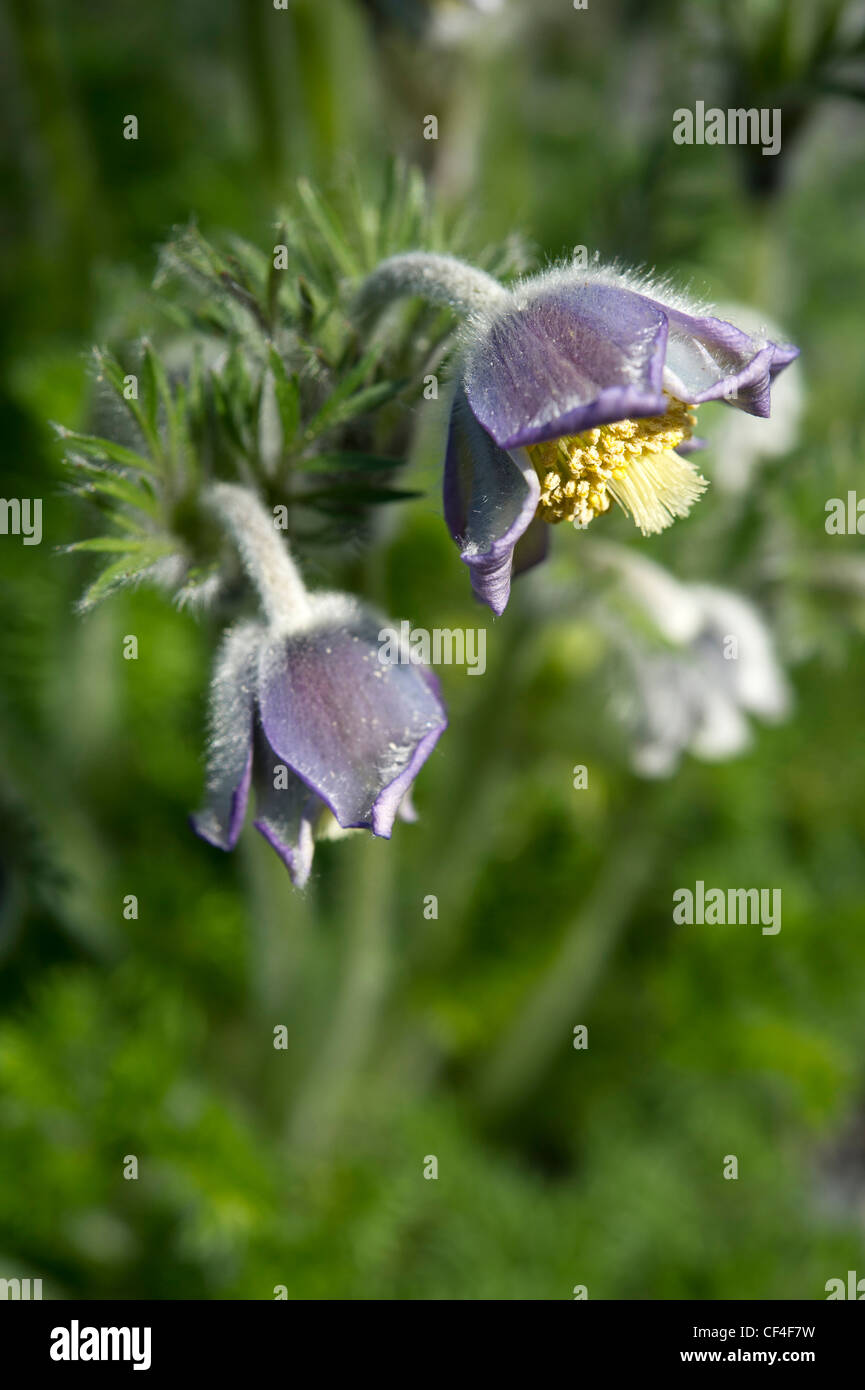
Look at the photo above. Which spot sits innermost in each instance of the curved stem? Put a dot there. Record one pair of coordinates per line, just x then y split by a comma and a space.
265, 555
438, 279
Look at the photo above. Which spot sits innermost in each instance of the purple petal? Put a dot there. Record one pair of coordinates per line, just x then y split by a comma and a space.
229, 762
572, 356
691, 446
490, 499
708, 358
392, 796
354, 730
284, 814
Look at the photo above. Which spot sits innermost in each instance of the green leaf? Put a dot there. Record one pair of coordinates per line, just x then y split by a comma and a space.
111, 371
133, 567
287, 389
327, 225
345, 401
225, 414
156, 393
362, 403
126, 522
105, 448
107, 544
112, 486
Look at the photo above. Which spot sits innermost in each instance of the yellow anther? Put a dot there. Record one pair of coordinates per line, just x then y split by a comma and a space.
634, 461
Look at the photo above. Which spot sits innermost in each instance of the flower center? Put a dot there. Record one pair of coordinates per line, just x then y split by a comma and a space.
630, 461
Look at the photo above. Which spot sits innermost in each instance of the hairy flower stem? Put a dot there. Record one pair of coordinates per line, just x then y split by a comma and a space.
264, 553
366, 910
437, 279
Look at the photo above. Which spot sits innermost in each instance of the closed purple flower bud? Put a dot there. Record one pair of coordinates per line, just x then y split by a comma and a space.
304, 710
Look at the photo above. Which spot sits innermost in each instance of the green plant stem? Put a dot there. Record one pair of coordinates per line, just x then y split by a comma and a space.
281, 921
365, 908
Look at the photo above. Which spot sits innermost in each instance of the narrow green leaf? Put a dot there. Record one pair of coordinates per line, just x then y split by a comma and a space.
336, 408
116, 576
120, 543
148, 389
158, 395
225, 415
327, 225
115, 487
339, 412
112, 372
105, 448
287, 389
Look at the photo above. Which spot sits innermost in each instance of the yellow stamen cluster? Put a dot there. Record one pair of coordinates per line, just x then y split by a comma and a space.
630, 461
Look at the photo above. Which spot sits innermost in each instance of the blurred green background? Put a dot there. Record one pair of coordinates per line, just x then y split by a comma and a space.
452, 1037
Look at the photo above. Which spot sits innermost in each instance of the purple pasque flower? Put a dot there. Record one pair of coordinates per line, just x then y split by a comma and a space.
303, 710
575, 390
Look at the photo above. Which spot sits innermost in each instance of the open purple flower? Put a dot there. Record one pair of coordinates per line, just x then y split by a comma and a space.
576, 390
304, 710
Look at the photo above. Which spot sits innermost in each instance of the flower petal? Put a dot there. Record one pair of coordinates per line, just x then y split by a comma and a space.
490, 499
708, 358
355, 730
229, 760
565, 357
284, 814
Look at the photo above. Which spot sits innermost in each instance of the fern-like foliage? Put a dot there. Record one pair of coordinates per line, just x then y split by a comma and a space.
268, 379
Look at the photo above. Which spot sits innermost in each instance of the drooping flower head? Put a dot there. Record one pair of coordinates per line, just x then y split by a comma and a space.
303, 709
576, 390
